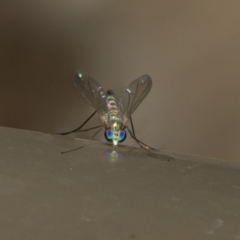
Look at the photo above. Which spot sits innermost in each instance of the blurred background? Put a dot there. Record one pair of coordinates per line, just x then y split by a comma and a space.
191, 49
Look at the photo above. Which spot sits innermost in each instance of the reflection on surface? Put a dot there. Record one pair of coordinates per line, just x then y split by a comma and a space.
113, 155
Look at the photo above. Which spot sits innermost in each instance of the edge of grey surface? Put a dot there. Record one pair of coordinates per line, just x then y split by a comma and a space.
93, 193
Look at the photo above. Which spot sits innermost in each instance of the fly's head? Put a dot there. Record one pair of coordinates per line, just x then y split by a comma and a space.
115, 134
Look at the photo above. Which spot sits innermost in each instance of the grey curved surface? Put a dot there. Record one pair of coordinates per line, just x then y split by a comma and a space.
89, 194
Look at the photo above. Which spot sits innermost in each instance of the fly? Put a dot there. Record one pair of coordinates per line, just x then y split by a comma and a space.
114, 116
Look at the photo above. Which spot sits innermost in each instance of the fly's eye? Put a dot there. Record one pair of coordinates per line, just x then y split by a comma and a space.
122, 135
109, 135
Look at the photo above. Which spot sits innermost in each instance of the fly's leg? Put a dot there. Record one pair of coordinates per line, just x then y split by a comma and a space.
79, 128
88, 129
140, 143
73, 149
133, 131
84, 130
85, 143
96, 132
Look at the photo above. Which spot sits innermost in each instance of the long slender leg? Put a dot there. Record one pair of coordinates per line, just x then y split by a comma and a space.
73, 149
85, 143
96, 133
88, 129
133, 131
80, 126
79, 130
140, 143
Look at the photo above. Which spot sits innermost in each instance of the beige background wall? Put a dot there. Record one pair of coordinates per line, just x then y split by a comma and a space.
191, 49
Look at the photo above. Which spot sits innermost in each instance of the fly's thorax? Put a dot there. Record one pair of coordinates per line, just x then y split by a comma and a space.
115, 118
115, 124
116, 132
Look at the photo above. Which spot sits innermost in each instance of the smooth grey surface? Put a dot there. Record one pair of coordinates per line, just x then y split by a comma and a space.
87, 194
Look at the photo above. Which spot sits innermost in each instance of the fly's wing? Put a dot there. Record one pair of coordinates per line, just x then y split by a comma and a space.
93, 92
134, 95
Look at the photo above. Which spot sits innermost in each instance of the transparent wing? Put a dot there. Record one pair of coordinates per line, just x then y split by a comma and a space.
92, 91
134, 95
